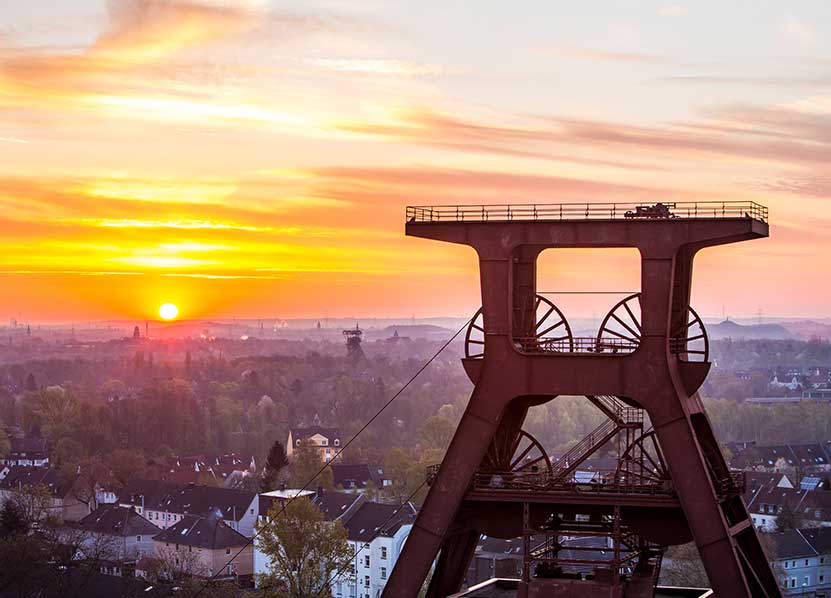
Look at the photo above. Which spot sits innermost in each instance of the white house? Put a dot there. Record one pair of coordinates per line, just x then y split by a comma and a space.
377, 533
165, 503
119, 536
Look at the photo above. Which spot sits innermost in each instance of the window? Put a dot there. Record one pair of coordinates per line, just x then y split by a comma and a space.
384, 552
324, 442
252, 511
337, 442
821, 578
366, 581
806, 562
366, 560
383, 572
227, 551
138, 538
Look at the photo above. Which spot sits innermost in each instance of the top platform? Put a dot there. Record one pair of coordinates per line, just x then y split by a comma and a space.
638, 212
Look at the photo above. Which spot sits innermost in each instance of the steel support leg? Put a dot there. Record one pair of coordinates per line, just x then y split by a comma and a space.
708, 522
473, 436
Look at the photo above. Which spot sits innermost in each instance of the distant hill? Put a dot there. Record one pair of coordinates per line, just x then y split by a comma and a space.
730, 329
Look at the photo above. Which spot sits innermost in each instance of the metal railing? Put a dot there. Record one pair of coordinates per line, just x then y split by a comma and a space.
603, 483
588, 211
578, 344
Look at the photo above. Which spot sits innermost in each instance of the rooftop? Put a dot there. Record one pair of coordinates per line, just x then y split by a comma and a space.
203, 532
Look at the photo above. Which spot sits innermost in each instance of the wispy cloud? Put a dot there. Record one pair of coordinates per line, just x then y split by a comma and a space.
799, 31
380, 66
591, 54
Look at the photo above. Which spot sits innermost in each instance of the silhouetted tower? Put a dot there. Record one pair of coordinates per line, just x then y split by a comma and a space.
136, 333
353, 342
642, 371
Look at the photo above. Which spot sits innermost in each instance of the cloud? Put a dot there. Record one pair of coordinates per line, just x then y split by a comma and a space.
603, 55
783, 136
673, 10
379, 66
796, 30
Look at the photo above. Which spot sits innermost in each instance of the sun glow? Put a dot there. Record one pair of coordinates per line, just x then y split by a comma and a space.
168, 311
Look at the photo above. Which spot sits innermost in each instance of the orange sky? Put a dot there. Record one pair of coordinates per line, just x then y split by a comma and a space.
248, 159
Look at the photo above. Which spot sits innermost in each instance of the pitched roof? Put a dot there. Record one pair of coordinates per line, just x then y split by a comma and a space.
58, 485
357, 475
333, 505
304, 433
791, 544
203, 532
336, 505
161, 495
117, 521
27, 445
376, 519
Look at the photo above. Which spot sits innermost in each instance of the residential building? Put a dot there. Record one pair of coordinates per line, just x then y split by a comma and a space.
27, 452
119, 535
801, 458
803, 561
204, 547
227, 469
62, 490
376, 533
335, 506
766, 501
359, 477
165, 503
327, 441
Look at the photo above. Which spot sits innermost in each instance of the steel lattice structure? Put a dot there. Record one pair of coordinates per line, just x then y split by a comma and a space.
642, 371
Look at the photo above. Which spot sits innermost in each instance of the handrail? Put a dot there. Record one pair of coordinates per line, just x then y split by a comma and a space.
588, 211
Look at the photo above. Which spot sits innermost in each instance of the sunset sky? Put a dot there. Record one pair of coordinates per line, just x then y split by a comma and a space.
253, 158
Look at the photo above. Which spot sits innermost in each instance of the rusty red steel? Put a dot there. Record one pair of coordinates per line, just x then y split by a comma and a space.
671, 485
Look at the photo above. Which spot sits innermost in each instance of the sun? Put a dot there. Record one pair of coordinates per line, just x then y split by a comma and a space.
168, 311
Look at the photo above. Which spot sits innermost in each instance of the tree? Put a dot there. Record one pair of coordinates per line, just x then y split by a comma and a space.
788, 518
13, 520
5, 444
276, 462
306, 466
67, 453
306, 553
437, 432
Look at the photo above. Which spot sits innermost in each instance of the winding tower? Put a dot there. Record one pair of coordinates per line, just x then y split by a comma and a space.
353, 343
642, 371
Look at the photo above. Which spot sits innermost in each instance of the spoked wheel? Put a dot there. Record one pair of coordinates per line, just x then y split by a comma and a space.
643, 463
520, 455
690, 341
475, 336
551, 332
621, 328
620, 331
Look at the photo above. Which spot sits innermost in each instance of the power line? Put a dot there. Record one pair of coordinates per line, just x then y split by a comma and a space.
338, 454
